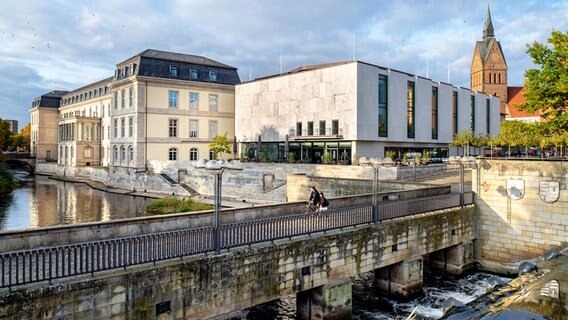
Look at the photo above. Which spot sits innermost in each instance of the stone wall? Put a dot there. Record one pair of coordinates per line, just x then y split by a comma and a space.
204, 286
511, 230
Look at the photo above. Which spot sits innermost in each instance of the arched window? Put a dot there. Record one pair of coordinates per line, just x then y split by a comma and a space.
115, 156
193, 154
172, 154
130, 154
88, 152
122, 154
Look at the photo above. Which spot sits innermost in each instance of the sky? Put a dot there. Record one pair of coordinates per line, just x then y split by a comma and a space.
66, 44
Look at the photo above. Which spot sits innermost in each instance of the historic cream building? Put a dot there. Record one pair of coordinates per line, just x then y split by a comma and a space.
44, 116
158, 106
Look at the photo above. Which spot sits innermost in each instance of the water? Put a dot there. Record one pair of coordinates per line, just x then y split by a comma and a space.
43, 202
367, 305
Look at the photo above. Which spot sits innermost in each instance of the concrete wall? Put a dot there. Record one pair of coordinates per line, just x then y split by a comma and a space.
512, 230
203, 286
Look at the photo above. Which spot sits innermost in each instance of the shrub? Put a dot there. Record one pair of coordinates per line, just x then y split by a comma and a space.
7, 182
175, 205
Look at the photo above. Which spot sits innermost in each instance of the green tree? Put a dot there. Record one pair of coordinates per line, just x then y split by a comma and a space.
464, 138
547, 87
5, 135
220, 144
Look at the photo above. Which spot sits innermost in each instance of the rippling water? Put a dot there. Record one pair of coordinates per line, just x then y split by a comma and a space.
370, 306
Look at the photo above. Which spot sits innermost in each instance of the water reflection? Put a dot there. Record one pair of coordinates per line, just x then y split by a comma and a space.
47, 202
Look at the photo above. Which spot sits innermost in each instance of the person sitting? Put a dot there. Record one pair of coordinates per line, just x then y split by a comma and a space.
324, 203
314, 199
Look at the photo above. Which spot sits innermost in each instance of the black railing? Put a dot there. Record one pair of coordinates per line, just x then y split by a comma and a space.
46, 264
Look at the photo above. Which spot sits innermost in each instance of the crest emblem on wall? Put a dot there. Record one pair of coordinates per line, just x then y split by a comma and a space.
516, 188
549, 191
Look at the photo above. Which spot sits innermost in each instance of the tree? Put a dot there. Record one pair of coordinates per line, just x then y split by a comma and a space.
21, 141
547, 87
220, 144
5, 135
464, 138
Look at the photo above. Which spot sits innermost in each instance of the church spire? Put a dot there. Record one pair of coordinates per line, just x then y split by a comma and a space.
488, 27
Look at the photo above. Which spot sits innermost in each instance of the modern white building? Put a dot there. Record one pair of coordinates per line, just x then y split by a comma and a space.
353, 108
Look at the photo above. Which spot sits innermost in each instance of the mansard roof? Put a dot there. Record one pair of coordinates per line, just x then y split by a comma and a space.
182, 57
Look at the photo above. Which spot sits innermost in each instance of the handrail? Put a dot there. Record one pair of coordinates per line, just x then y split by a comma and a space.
67, 260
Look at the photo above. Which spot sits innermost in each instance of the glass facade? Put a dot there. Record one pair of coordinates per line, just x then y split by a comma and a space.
472, 114
383, 106
434, 112
454, 112
410, 116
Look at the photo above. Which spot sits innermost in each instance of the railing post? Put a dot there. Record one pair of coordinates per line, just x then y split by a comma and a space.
462, 182
375, 196
217, 212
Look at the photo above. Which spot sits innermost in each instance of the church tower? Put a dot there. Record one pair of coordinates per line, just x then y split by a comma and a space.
488, 67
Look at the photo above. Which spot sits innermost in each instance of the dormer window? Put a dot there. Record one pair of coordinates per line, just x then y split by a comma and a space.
124, 71
173, 71
194, 74
132, 68
213, 75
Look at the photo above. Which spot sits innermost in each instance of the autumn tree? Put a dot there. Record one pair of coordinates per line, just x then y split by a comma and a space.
547, 86
5, 135
220, 144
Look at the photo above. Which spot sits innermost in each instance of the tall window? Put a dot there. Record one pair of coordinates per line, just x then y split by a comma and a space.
193, 154
194, 100
310, 128
115, 154
454, 112
211, 155
130, 97
194, 74
122, 154
173, 71
115, 128
115, 100
322, 128
434, 112
130, 154
212, 129
173, 95
173, 128
298, 128
213, 75
213, 102
172, 154
488, 116
122, 98
472, 114
383, 105
122, 126
193, 128
130, 126
335, 127
410, 110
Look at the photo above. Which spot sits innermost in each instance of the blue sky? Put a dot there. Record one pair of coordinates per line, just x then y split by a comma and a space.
62, 45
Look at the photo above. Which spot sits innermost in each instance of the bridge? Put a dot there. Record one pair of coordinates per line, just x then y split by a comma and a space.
167, 268
22, 161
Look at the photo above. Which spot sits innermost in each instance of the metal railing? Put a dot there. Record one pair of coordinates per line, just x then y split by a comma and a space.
47, 264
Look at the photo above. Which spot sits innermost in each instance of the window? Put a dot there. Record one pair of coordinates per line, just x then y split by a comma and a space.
122, 127
193, 154
122, 98
310, 128
472, 114
122, 154
410, 110
108, 132
130, 126
335, 127
115, 154
212, 129
130, 154
173, 128
298, 128
132, 68
88, 152
488, 116
115, 100
173, 95
193, 128
322, 128
194, 73
173, 71
211, 155
194, 100
115, 128
213, 101
213, 75
434, 112
383, 106
130, 97
454, 112
172, 154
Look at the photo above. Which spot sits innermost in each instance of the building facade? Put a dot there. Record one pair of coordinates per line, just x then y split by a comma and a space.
339, 111
12, 125
488, 66
158, 106
44, 117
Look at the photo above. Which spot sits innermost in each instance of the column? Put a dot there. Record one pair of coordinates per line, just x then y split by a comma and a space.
329, 302
401, 280
454, 260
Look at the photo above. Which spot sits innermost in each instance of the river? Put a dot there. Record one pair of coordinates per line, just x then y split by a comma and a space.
43, 202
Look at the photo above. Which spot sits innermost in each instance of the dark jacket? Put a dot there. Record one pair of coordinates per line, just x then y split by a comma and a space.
314, 197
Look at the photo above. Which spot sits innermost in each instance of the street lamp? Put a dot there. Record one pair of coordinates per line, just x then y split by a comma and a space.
220, 167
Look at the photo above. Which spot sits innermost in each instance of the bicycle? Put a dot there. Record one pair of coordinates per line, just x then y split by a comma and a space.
310, 208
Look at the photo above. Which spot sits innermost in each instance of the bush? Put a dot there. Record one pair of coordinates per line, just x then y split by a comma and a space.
175, 205
7, 182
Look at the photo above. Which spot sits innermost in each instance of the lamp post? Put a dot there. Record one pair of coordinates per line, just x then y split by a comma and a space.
377, 164
220, 167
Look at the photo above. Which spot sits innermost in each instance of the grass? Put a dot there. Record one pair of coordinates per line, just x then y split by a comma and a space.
175, 205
